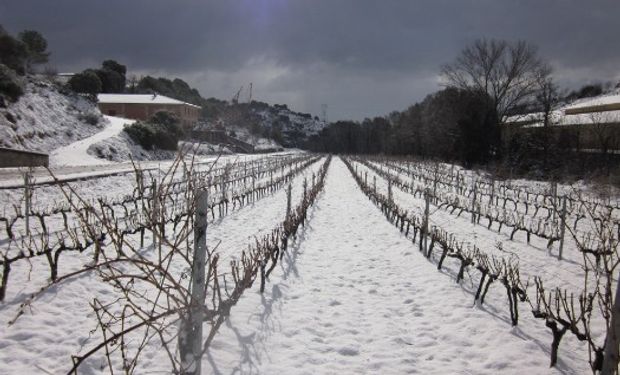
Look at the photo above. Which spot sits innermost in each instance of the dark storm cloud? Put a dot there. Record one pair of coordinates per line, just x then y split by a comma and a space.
362, 58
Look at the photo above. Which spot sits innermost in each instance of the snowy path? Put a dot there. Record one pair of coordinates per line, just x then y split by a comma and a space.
355, 297
75, 153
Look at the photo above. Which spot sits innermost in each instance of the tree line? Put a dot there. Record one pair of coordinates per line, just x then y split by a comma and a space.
452, 124
489, 81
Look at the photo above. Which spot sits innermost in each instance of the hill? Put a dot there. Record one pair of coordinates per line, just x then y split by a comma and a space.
263, 125
258, 120
47, 116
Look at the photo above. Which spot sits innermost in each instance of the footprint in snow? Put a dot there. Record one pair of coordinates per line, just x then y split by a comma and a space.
349, 352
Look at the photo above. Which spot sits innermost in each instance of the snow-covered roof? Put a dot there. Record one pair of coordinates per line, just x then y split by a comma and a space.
599, 110
139, 99
595, 102
525, 118
594, 105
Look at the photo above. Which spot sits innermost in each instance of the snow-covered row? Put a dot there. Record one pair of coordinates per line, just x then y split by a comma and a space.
72, 296
534, 258
355, 296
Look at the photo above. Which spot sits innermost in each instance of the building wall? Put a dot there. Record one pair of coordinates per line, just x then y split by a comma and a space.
138, 111
18, 158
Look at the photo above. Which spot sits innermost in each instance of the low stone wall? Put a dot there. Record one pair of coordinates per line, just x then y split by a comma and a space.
20, 158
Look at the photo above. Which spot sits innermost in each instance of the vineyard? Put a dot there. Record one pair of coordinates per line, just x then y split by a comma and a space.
300, 263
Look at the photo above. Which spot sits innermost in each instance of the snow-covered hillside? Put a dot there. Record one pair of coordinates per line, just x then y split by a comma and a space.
45, 118
294, 121
121, 148
295, 127
265, 126
259, 143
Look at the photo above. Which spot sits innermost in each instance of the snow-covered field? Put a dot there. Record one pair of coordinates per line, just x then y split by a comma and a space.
352, 294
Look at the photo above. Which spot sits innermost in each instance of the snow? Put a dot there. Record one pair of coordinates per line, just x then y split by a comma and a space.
559, 116
139, 99
259, 143
356, 297
605, 117
351, 295
46, 118
597, 101
293, 124
76, 153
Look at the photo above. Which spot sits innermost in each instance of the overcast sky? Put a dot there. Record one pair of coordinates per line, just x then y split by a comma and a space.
360, 57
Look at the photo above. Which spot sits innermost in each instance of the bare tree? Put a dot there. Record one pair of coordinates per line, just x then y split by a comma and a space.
546, 98
604, 137
506, 72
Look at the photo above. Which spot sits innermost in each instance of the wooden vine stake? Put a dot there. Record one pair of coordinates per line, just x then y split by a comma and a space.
288, 201
492, 191
426, 220
27, 200
554, 193
305, 189
562, 227
190, 337
473, 204
155, 212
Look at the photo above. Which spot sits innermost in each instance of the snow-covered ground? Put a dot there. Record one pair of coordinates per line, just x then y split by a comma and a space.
76, 153
351, 295
46, 118
357, 297
259, 143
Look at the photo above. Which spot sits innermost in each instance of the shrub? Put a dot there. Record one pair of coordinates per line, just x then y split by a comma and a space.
10, 84
163, 139
162, 131
91, 118
165, 118
141, 133
86, 82
255, 128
